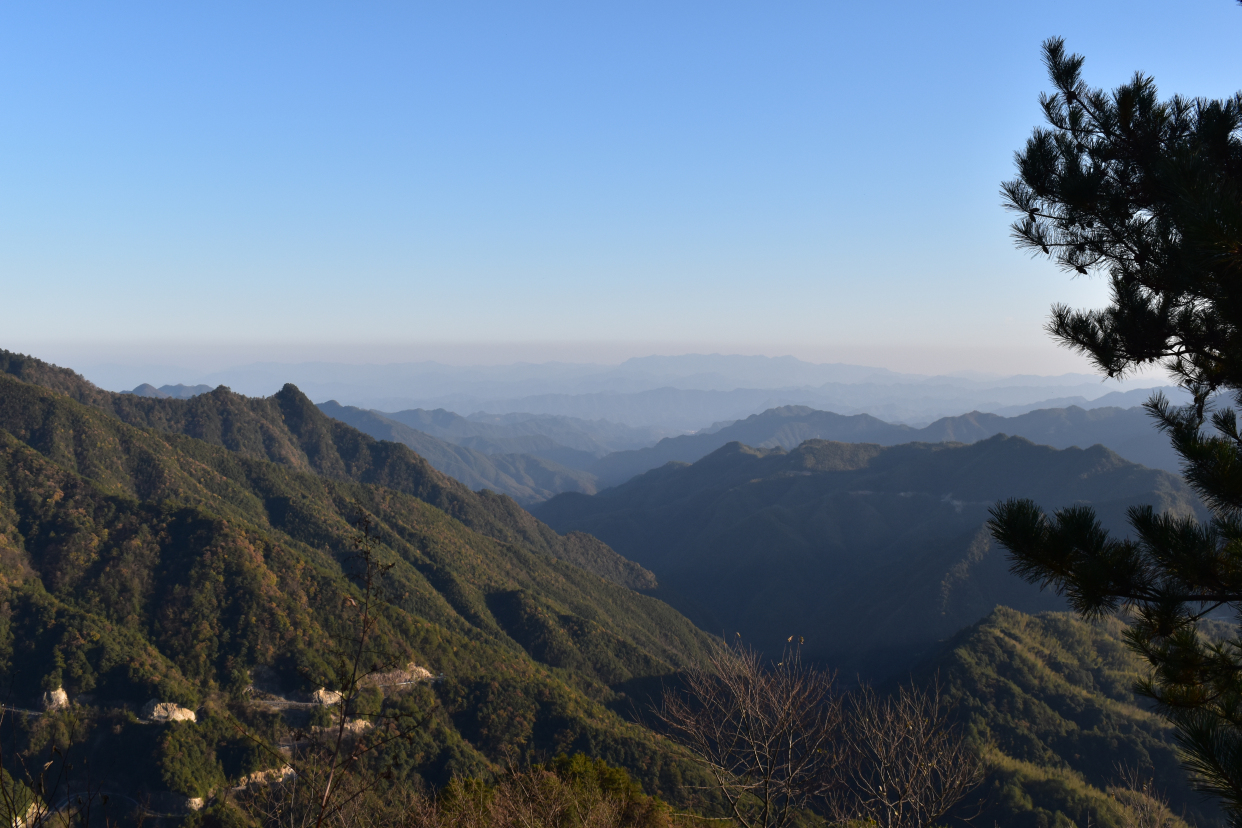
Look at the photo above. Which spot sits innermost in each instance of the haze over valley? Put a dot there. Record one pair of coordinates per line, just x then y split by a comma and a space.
864, 538
673, 393
532, 452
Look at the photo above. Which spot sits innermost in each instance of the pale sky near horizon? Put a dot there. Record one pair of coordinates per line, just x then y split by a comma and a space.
211, 184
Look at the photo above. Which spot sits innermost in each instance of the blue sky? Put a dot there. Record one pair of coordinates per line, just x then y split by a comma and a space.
482, 182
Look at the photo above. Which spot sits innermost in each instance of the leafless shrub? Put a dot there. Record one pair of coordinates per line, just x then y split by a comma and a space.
770, 738
780, 740
295, 801
1142, 805
905, 764
50, 793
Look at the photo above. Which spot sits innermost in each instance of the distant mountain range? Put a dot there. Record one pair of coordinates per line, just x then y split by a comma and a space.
523, 456
1127, 431
678, 409
704, 372
177, 549
175, 392
671, 393
529, 433
873, 553
527, 478
173, 549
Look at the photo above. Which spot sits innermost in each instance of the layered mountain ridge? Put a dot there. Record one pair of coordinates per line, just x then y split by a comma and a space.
178, 549
533, 467
288, 429
872, 552
677, 393
140, 562
1129, 432
526, 477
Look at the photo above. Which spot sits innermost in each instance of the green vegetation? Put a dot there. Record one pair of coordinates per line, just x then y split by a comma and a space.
874, 554
139, 563
1049, 701
526, 477
1149, 193
286, 429
575, 791
1126, 431
16, 800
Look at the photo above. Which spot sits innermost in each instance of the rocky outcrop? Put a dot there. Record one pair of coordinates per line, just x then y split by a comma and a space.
324, 696
55, 699
265, 777
412, 674
158, 711
30, 817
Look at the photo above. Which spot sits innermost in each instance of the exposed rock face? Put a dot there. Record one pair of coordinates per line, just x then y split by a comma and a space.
323, 696
194, 803
356, 726
265, 777
29, 816
157, 711
412, 674
55, 699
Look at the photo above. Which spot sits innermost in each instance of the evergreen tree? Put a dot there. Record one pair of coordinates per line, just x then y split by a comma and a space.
1148, 193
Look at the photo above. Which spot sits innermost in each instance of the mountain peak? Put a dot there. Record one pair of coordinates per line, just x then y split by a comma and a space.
148, 390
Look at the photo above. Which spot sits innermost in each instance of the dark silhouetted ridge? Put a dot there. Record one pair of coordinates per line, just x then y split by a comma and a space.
874, 553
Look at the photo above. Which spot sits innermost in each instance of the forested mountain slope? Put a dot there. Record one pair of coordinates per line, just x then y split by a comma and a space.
138, 563
873, 553
1049, 700
288, 429
529, 433
1129, 432
536, 468
526, 477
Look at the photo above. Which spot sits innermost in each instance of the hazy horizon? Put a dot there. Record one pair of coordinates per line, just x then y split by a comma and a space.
177, 362
215, 185
675, 394
125, 374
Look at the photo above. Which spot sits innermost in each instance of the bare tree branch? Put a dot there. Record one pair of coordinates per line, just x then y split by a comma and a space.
770, 738
906, 765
